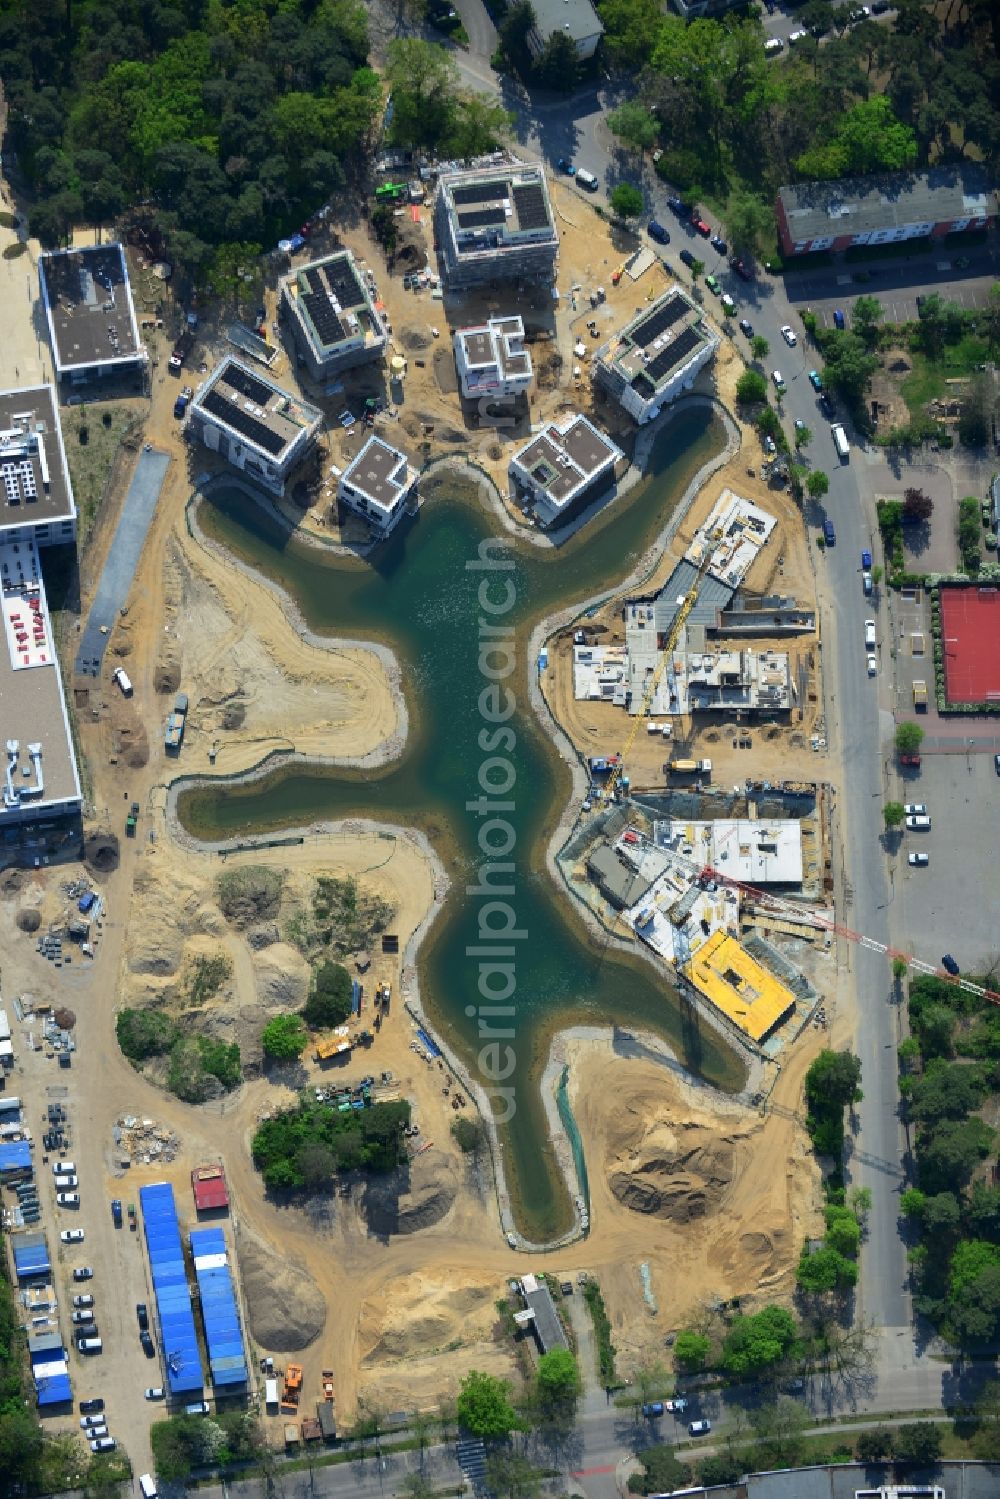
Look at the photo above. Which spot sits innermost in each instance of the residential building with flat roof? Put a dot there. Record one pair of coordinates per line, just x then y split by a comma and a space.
576, 19
252, 423
38, 775
656, 356
90, 313
738, 986
743, 848
563, 467
491, 358
495, 224
884, 209
731, 538
378, 484
329, 310
36, 498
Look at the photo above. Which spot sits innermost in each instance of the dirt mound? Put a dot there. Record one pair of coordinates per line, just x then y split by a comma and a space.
284, 1307
414, 338
11, 881
423, 1318
165, 917
167, 677
28, 921
281, 976
414, 1197
249, 894
101, 850
264, 936
679, 1172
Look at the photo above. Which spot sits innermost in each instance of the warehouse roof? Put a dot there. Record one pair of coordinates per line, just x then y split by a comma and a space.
208, 1184
36, 483
858, 205
88, 304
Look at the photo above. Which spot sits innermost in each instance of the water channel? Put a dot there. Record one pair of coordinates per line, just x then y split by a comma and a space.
417, 595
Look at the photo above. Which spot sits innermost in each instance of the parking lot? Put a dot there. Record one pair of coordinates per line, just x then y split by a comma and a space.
120, 1373
948, 904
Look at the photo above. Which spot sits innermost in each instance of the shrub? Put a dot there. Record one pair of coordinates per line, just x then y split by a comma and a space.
469, 1135
144, 1033
751, 388
691, 1350
284, 1038
329, 1003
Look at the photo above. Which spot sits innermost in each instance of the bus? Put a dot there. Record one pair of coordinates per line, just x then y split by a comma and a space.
840, 442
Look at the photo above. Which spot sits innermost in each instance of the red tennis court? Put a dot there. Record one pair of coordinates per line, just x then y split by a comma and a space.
970, 635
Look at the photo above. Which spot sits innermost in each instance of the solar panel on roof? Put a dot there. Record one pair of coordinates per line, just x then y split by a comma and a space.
672, 355
248, 385
480, 217
241, 421
664, 317
529, 200
313, 279
479, 192
324, 319
343, 283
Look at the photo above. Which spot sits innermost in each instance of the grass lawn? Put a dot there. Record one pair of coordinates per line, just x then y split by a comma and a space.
928, 377
90, 460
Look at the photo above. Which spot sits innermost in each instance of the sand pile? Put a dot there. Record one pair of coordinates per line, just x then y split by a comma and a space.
422, 1318
281, 977
414, 1197
284, 1307
164, 916
678, 1171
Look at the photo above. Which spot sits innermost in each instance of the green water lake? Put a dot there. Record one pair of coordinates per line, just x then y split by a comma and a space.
417, 595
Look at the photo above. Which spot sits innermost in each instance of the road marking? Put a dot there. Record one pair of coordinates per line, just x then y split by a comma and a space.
590, 1472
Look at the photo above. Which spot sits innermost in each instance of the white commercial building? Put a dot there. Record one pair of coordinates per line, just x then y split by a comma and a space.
563, 467
754, 852
258, 428
379, 485
330, 311
576, 19
90, 313
656, 357
491, 358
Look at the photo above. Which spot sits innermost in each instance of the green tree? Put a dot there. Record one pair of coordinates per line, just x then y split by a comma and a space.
843, 1231
918, 1443
629, 27
817, 483
477, 126
558, 64
849, 365
422, 79
284, 1038
722, 1468
20, 1445
918, 507
557, 1382
632, 123
874, 1445
329, 1003
946, 1091
950, 1153
751, 388
759, 346
912, 1202
833, 1079
976, 411
626, 201
691, 1350
868, 138
865, 318
661, 1472
942, 1214
484, 1407
779, 1427
511, 1475
697, 269
469, 1135
899, 966
759, 1341
749, 224
909, 737
825, 1270
893, 814
986, 1438
803, 436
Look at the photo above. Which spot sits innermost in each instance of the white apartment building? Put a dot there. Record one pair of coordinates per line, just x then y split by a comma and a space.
492, 360
258, 428
657, 356
379, 485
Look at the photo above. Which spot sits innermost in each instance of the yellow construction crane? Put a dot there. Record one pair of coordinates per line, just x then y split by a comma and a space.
680, 618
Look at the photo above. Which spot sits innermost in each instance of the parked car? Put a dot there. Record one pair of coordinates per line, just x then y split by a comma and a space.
565, 165
866, 583
713, 285
656, 231
116, 1212
768, 444
915, 809
676, 205
104, 1444
86, 1421
796, 36
677, 1406
718, 243
85, 1315
838, 319
73, 1236
866, 557
84, 1300
687, 257
829, 534
143, 1315
741, 269
653, 1408
97, 1404
155, 1392
699, 1428
746, 327
68, 1199
815, 379
919, 822
59, 1168
872, 665
82, 1272
778, 379
870, 643
919, 859
701, 227
996, 764
950, 966
788, 334
148, 1347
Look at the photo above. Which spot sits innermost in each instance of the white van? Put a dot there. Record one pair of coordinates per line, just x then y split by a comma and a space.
120, 678
90, 1345
773, 46
146, 1486
67, 1182
587, 179
840, 442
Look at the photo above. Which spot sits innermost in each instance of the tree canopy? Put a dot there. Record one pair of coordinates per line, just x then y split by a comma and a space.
759, 1341
284, 1038
484, 1405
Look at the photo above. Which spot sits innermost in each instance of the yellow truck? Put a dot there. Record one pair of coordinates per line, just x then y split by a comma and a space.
920, 696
